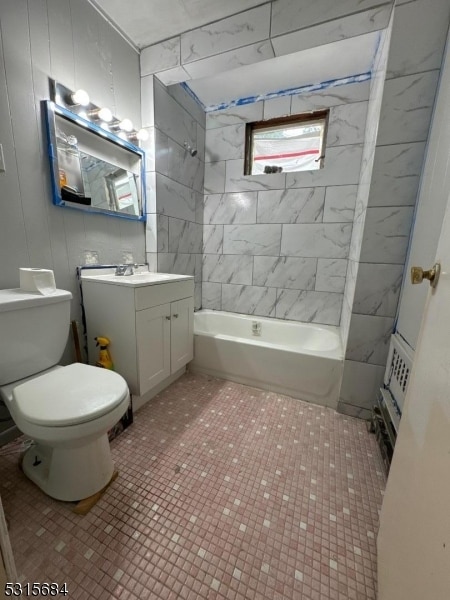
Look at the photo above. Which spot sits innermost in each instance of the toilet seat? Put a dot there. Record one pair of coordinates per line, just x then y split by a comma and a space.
69, 395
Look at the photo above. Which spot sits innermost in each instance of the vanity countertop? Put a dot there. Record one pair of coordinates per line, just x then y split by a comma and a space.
138, 279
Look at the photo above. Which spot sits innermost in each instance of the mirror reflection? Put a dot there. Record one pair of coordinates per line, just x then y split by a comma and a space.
108, 186
92, 169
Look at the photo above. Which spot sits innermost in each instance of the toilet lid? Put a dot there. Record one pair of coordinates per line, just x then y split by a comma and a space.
74, 394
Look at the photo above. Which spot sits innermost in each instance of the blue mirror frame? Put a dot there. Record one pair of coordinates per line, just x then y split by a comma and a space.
50, 109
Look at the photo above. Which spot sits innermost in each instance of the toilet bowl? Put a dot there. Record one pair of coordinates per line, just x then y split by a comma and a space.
68, 411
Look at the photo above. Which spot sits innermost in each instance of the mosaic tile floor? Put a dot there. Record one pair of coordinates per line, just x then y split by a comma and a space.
224, 491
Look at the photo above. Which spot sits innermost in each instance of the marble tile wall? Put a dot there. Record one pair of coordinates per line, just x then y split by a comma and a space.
274, 29
374, 107
277, 245
174, 232
377, 261
375, 199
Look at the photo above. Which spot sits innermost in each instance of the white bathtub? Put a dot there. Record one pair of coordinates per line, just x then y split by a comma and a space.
301, 360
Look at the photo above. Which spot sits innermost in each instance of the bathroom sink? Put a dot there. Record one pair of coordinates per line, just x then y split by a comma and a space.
147, 276
139, 278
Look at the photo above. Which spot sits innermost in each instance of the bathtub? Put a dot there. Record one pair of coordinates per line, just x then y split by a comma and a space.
301, 360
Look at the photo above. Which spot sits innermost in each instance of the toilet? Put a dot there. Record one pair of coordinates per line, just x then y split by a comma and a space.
67, 411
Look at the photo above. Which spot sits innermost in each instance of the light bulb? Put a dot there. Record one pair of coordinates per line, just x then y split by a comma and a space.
80, 97
104, 114
126, 125
142, 135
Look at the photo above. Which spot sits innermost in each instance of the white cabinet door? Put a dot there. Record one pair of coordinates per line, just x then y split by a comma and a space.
153, 346
182, 335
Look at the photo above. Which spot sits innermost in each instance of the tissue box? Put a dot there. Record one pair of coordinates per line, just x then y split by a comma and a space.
37, 281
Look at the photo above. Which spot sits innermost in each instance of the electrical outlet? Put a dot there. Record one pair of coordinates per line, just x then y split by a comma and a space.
90, 257
2, 160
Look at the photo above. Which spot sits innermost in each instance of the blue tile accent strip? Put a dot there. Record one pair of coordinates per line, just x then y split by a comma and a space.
193, 95
313, 87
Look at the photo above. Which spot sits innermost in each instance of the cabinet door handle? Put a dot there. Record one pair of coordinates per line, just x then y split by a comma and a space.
167, 318
175, 316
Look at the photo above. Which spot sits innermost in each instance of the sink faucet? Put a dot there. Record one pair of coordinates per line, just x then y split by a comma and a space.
125, 269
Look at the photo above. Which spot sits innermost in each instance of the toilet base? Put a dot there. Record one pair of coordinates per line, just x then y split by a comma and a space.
70, 473
84, 506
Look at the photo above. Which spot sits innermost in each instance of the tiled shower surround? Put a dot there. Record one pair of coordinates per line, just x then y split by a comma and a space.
174, 182
382, 227
277, 245
258, 260
224, 491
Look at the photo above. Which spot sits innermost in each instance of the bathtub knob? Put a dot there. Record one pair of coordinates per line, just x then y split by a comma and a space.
418, 274
175, 316
167, 318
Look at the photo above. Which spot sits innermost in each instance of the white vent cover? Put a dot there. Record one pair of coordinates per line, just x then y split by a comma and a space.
398, 369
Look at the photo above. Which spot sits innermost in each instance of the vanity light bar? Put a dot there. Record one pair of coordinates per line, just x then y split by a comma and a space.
78, 102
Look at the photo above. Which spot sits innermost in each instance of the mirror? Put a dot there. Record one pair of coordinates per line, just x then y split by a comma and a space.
93, 169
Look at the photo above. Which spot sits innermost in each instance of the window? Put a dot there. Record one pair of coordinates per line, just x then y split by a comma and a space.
286, 144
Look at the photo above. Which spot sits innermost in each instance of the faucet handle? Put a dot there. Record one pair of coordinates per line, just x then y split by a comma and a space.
123, 270
126, 269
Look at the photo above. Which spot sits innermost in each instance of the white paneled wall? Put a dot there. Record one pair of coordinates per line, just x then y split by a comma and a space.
69, 41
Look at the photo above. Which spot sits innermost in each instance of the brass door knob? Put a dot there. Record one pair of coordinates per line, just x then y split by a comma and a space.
418, 275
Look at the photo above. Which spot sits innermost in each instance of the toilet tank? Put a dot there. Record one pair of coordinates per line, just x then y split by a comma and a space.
33, 332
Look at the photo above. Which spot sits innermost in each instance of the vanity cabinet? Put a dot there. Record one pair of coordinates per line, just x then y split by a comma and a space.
150, 326
164, 338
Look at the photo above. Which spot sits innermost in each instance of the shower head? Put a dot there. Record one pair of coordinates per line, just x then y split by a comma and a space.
192, 151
